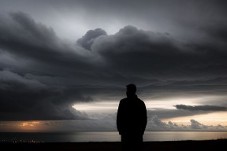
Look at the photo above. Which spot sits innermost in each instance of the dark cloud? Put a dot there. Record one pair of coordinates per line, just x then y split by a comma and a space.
26, 99
88, 39
135, 52
33, 90
43, 76
201, 108
31, 40
217, 32
20, 33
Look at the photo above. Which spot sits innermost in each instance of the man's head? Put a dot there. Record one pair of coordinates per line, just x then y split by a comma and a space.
131, 90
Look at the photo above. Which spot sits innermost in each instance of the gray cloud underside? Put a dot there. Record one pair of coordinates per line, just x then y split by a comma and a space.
41, 75
201, 108
167, 113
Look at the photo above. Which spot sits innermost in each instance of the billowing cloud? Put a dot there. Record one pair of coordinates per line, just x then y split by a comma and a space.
138, 52
42, 76
25, 98
196, 125
88, 39
156, 124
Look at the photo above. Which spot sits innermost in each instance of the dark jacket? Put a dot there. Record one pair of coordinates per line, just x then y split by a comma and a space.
131, 117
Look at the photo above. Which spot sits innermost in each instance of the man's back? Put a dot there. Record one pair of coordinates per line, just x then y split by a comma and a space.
131, 117
131, 120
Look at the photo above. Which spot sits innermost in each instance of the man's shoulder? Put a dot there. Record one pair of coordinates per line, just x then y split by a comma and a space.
124, 100
141, 101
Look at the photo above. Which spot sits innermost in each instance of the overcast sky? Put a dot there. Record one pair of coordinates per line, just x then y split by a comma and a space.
62, 60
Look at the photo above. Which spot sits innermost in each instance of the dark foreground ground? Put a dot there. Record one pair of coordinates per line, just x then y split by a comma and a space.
213, 145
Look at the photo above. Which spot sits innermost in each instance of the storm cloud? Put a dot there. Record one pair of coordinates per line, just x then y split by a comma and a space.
42, 75
88, 39
201, 108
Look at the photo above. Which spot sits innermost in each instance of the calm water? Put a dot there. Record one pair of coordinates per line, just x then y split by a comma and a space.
107, 136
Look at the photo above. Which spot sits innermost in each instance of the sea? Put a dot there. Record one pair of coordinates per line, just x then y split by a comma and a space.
106, 136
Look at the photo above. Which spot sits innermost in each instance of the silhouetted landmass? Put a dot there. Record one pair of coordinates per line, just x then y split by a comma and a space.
213, 145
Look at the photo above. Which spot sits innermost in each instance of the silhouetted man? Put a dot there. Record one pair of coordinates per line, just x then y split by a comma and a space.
131, 120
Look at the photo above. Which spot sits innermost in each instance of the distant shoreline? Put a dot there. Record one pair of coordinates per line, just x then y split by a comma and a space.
16, 137
215, 145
